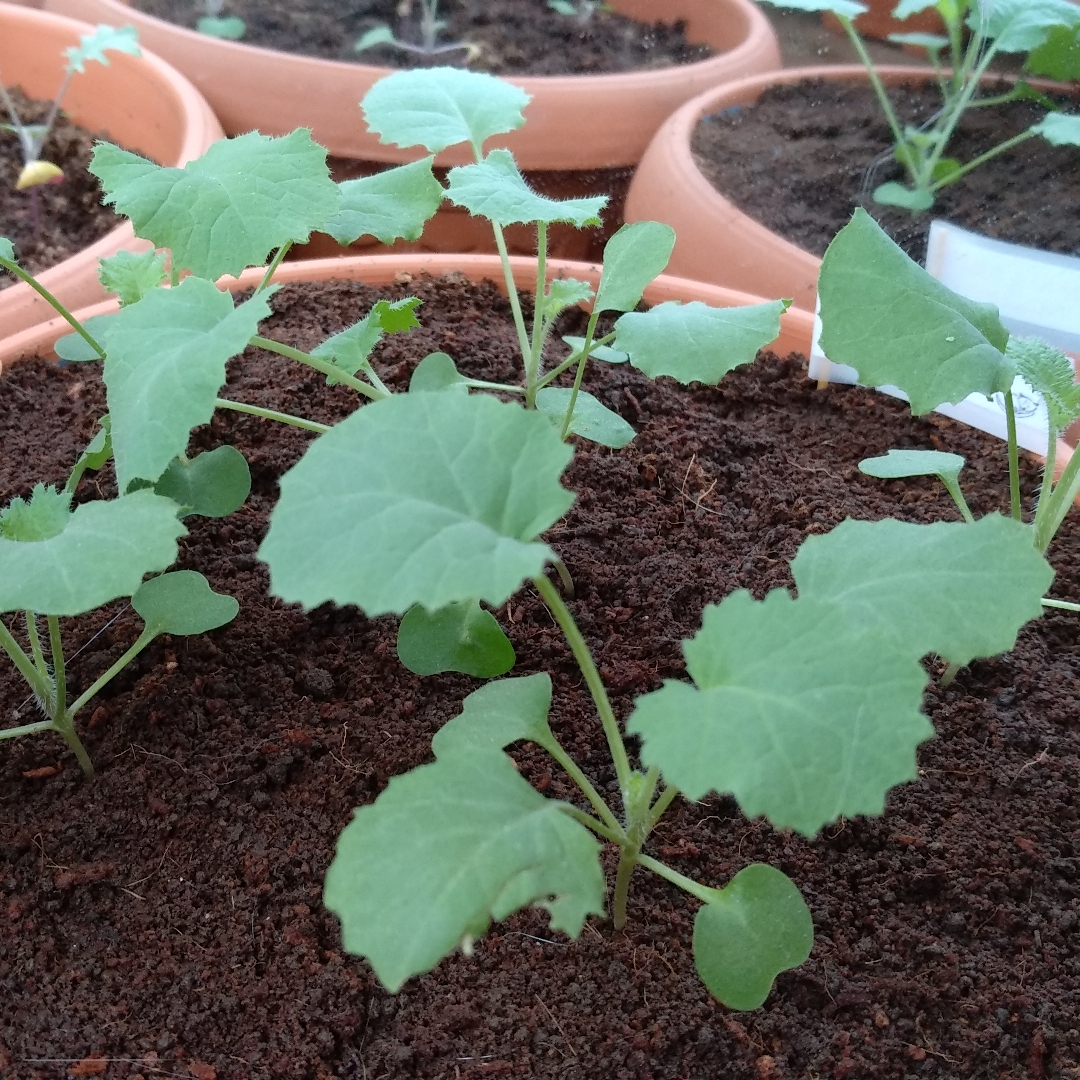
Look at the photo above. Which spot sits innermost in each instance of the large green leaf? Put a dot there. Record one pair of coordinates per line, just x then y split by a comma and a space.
419, 499
228, 209
800, 714
182, 603
391, 205
446, 849
166, 364
694, 342
131, 275
497, 715
885, 316
1059, 129
757, 926
459, 637
438, 107
949, 588
592, 419
1022, 25
101, 552
495, 189
93, 46
211, 485
632, 259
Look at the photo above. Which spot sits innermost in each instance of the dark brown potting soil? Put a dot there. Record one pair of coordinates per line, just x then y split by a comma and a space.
70, 213
511, 37
166, 916
803, 156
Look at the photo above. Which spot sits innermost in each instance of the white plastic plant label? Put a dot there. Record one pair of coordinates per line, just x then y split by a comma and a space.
1037, 294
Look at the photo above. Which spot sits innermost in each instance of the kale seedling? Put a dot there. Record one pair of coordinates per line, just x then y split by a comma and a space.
215, 24
1028, 27
35, 171
430, 26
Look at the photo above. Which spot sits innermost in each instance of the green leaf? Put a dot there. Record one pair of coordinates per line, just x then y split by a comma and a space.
438, 107
847, 9
696, 343
7, 249
419, 499
563, 293
94, 45
900, 463
563, 7
391, 205
350, 349
1059, 129
446, 849
210, 485
46, 515
495, 189
885, 316
945, 169
894, 194
591, 420
102, 552
758, 926
99, 450
436, 371
377, 35
598, 352
798, 713
497, 715
1050, 372
182, 603
1059, 56
957, 590
75, 347
933, 42
132, 275
166, 364
1022, 25
459, 637
633, 257
228, 209
231, 28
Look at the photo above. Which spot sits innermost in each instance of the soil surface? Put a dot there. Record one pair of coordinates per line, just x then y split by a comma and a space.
166, 916
803, 156
508, 37
70, 213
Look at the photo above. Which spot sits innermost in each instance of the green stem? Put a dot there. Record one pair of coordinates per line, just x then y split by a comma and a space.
702, 892
141, 642
1061, 501
659, 808
324, 366
27, 729
532, 365
580, 374
1064, 605
59, 671
512, 294
588, 821
627, 861
74, 323
571, 360
41, 687
505, 388
270, 414
570, 766
564, 577
274, 264
1046, 494
585, 662
949, 674
976, 162
958, 497
1014, 458
35, 644
379, 385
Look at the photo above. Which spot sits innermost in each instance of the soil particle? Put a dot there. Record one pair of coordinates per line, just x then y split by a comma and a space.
167, 915
803, 156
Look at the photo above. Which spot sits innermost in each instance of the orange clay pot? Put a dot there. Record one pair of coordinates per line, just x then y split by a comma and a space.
141, 103
879, 23
795, 326
573, 122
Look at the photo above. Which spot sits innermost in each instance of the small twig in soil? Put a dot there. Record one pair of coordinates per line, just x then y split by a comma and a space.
1039, 759
569, 1045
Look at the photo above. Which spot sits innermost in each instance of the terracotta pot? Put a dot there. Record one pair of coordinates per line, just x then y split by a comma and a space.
795, 328
141, 103
576, 122
878, 22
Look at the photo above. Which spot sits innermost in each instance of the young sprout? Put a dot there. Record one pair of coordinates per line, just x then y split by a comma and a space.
213, 23
430, 26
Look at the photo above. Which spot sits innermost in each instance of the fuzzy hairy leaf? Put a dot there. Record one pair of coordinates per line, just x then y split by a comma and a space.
459, 637
495, 189
44, 516
438, 107
950, 588
182, 603
592, 419
102, 552
350, 349
391, 205
131, 275
885, 316
95, 45
694, 342
228, 209
446, 849
801, 715
633, 258
1050, 372
563, 293
497, 715
166, 364
419, 499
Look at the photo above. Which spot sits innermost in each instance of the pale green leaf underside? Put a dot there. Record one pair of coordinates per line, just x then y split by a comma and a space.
961, 591
847, 8
896, 464
633, 257
921, 41
102, 553
597, 352
446, 849
592, 419
182, 603
391, 205
694, 342
7, 249
885, 316
1060, 129
165, 366
497, 715
800, 715
228, 209
419, 499
438, 107
758, 926
459, 637
495, 189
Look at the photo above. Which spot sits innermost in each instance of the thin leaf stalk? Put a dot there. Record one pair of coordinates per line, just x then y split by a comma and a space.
628, 858
274, 264
1046, 495
571, 360
35, 644
537, 343
1062, 605
141, 642
41, 686
1014, 458
702, 892
590, 822
982, 159
326, 367
271, 414
515, 300
589, 332
572, 769
1061, 501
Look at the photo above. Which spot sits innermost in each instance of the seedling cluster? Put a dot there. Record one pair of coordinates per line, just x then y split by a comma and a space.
432, 504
